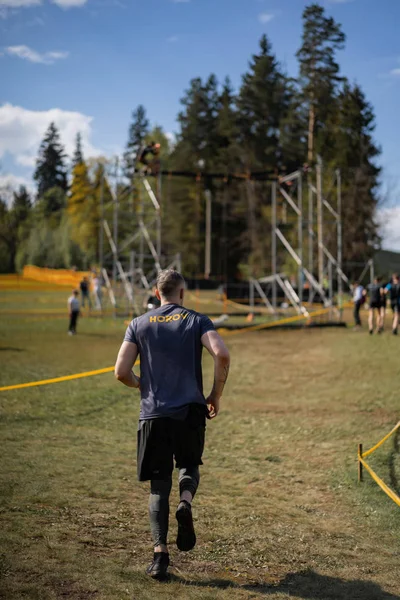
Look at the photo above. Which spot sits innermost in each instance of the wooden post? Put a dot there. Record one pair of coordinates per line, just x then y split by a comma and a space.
360, 466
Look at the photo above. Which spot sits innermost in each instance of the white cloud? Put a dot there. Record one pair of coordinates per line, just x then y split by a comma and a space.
389, 219
395, 72
22, 130
265, 17
10, 182
26, 53
7, 6
19, 3
172, 39
69, 3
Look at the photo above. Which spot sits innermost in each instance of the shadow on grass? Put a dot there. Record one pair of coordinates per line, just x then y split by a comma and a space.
11, 349
308, 585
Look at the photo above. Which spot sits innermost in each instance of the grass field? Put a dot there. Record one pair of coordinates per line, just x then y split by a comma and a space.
279, 513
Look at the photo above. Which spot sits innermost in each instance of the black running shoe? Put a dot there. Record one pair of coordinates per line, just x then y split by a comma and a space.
394, 331
186, 539
159, 567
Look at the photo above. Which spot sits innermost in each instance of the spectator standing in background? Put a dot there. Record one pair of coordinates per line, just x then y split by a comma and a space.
393, 289
375, 291
84, 287
73, 308
97, 291
358, 299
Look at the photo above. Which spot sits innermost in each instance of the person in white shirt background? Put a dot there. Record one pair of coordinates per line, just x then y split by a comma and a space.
97, 291
73, 308
359, 294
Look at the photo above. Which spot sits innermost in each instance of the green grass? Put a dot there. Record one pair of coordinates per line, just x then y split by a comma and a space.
279, 513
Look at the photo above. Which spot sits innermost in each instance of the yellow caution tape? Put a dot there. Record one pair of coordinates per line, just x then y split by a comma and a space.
383, 440
323, 311
379, 481
56, 379
109, 369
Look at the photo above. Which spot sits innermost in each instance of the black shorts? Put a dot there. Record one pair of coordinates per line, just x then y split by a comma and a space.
161, 440
375, 305
395, 307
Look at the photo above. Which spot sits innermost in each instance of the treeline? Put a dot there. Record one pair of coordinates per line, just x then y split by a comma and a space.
272, 123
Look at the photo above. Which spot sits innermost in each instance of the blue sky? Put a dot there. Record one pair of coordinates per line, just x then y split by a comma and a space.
87, 63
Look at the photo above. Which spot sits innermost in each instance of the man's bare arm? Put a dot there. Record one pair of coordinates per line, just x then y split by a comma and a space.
216, 347
127, 356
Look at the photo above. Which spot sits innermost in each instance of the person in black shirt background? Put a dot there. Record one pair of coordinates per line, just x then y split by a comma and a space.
84, 287
376, 292
393, 290
154, 149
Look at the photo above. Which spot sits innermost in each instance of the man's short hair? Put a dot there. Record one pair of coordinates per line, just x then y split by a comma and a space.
168, 281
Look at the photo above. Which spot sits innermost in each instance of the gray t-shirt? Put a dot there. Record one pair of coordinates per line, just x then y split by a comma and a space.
169, 343
73, 304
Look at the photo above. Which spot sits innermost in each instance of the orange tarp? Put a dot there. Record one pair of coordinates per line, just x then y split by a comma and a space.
56, 276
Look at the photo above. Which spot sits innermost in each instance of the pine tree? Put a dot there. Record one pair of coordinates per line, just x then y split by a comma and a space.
8, 238
228, 151
22, 204
196, 150
355, 153
13, 226
50, 165
78, 159
262, 104
293, 132
138, 130
319, 70
197, 144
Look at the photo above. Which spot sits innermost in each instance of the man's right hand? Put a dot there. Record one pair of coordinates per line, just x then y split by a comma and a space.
213, 405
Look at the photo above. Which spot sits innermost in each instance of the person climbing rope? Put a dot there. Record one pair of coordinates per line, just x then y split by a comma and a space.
149, 168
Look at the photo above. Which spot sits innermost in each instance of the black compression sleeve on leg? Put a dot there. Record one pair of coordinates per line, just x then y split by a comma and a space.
189, 479
160, 490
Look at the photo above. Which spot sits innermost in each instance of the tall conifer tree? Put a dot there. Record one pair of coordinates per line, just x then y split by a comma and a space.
50, 169
319, 70
138, 130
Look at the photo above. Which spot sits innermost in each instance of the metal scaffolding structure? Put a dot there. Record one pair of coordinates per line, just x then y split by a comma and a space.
137, 259
306, 234
298, 217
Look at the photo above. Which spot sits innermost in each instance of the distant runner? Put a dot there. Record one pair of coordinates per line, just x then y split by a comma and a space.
173, 409
375, 291
393, 290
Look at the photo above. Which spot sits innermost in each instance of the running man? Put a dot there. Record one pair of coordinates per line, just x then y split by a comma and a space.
173, 409
393, 289
383, 306
375, 291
